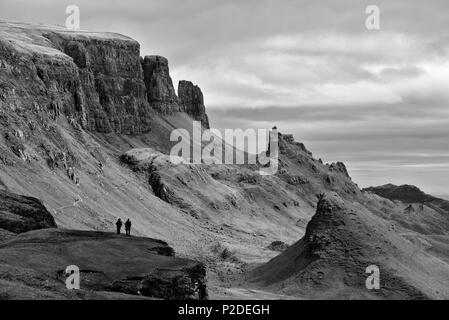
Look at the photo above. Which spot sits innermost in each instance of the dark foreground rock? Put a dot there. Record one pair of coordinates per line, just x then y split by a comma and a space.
98, 81
21, 214
109, 264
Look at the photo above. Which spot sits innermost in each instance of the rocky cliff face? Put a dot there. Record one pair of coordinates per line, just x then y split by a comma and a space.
192, 102
341, 241
96, 80
93, 79
160, 91
111, 95
421, 212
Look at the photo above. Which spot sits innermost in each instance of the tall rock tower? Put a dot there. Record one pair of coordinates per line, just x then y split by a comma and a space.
160, 90
191, 102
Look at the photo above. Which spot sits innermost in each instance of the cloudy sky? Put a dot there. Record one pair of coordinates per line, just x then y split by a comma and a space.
376, 99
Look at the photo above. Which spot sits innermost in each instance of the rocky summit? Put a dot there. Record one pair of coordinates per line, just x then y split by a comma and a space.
85, 124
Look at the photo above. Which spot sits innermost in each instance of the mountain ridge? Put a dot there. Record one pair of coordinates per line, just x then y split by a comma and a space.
406, 193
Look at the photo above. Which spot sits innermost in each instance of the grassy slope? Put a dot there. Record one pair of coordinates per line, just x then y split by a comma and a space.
35, 260
341, 241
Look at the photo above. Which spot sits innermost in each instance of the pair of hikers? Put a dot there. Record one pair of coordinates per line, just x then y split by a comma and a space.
127, 226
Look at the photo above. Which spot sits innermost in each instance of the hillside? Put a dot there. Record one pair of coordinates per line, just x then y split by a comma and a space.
424, 213
411, 194
85, 123
341, 241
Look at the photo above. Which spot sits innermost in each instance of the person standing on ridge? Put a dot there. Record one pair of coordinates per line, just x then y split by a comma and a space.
119, 225
128, 227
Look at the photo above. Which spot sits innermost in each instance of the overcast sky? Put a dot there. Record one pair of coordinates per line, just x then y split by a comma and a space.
376, 100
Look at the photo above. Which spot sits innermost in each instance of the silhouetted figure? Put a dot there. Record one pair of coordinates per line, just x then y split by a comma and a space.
128, 227
119, 225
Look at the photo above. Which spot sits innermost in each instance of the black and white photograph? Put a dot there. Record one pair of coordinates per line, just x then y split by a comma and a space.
240, 153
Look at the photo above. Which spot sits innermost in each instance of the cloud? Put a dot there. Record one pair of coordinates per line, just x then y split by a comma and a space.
401, 72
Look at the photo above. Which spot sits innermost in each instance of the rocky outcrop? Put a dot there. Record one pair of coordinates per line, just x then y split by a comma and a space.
434, 217
94, 79
112, 90
339, 167
341, 241
288, 146
405, 193
20, 214
97, 80
192, 102
160, 91
107, 263
149, 161
278, 246
169, 284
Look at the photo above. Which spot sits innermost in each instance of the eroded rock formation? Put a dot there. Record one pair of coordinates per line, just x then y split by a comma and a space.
192, 102
20, 214
160, 91
96, 80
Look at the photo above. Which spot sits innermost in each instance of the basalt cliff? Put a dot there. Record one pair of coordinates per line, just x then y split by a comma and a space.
97, 81
85, 125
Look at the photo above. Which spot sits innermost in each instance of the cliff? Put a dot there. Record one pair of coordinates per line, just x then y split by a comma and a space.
96, 80
342, 239
160, 91
192, 102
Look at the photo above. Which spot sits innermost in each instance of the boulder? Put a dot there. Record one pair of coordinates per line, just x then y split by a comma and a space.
20, 214
93, 79
277, 246
341, 241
